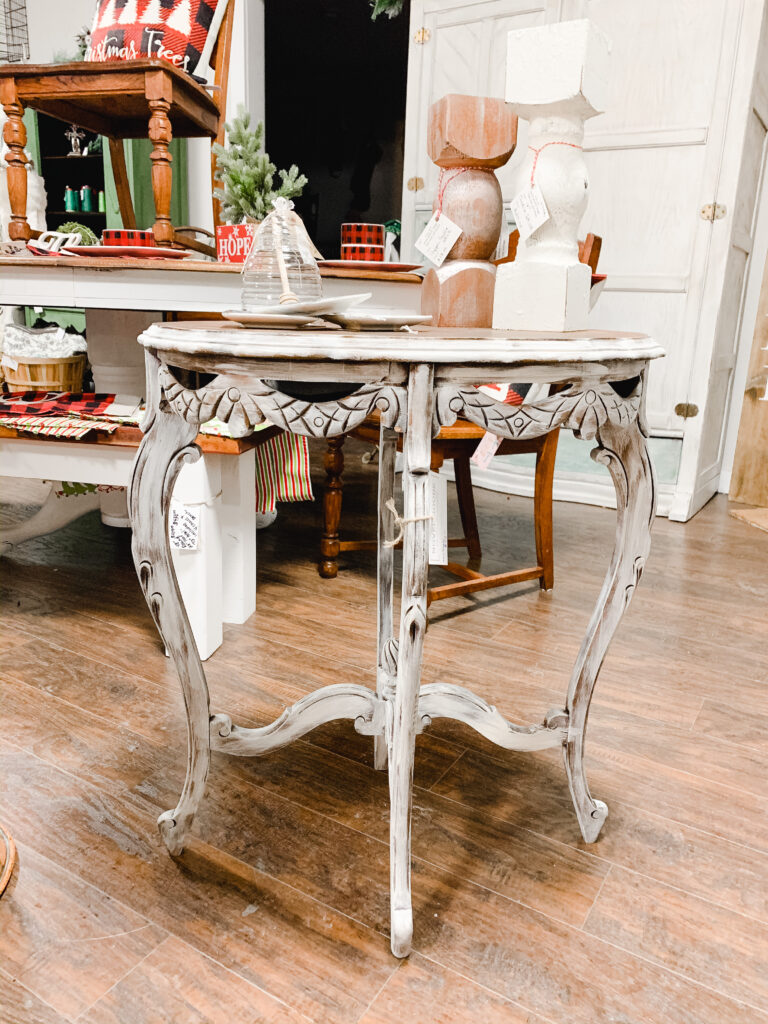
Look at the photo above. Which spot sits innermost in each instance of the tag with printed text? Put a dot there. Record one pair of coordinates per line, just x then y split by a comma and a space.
184, 527
438, 526
482, 455
529, 210
438, 238
502, 246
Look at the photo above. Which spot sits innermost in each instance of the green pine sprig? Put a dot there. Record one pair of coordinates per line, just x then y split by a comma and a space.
247, 175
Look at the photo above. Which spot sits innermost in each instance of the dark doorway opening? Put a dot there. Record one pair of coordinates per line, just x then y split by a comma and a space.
335, 106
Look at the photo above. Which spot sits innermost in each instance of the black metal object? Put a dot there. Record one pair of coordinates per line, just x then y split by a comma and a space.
14, 34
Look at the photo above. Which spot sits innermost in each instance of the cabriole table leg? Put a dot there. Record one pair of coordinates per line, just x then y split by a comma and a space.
386, 645
166, 446
413, 622
624, 451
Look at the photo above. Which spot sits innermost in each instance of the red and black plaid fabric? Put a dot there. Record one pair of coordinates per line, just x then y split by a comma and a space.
363, 252
126, 236
174, 30
53, 403
362, 234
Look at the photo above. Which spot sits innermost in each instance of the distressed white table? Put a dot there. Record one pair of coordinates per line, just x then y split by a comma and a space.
419, 382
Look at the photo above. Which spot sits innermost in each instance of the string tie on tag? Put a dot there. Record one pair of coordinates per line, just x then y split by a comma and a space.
400, 523
443, 184
533, 149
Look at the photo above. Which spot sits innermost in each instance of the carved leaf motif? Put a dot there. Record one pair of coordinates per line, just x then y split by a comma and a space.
582, 410
243, 410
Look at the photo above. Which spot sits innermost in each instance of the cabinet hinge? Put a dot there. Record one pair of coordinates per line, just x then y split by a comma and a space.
713, 211
686, 410
421, 36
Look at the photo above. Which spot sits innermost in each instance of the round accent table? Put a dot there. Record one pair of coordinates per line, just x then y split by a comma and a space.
419, 381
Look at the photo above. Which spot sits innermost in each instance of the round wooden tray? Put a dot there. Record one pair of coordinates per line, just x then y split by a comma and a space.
7, 858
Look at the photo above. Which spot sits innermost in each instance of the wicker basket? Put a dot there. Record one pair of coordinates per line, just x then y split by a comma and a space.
62, 373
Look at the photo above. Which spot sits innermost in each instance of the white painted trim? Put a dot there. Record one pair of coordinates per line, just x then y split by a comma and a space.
754, 276
645, 138
583, 488
670, 283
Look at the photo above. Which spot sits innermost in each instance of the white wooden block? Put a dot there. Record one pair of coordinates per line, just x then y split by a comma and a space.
564, 63
541, 296
237, 520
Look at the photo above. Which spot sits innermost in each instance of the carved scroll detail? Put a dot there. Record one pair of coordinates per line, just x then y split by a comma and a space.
244, 410
583, 410
443, 700
325, 705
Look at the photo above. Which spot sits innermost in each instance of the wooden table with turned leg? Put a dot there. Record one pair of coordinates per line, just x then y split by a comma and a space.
418, 382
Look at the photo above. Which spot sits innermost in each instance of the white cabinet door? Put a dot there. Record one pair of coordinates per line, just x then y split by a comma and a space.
684, 129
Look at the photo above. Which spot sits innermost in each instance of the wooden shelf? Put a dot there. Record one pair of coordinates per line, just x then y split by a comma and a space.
73, 159
74, 214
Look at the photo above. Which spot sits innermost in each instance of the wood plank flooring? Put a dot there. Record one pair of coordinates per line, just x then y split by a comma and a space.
278, 910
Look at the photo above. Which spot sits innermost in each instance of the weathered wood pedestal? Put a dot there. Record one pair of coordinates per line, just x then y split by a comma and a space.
419, 382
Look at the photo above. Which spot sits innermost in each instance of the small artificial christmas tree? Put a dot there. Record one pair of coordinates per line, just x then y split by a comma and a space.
247, 175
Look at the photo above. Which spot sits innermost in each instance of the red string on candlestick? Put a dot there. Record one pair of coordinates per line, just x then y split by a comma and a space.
442, 186
533, 149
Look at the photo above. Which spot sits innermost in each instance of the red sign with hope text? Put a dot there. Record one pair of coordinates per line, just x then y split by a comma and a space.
233, 242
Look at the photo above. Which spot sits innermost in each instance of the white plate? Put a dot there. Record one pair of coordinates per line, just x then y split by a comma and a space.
367, 319
240, 316
335, 305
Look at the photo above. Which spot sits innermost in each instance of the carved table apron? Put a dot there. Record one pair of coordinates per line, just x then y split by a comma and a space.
419, 382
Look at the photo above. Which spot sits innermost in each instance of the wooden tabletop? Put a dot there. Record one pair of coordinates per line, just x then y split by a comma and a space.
207, 266
445, 346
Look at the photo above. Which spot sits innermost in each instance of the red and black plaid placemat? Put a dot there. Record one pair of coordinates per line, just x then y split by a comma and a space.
54, 403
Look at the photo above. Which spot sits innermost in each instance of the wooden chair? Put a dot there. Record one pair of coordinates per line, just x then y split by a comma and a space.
121, 100
458, 443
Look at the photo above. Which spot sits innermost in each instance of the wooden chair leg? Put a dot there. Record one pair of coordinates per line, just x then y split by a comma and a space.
122, 185
467, 511
542, 509
329, 544
15, 138
160, 133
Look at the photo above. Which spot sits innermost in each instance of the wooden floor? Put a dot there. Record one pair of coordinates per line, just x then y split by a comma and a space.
278, 911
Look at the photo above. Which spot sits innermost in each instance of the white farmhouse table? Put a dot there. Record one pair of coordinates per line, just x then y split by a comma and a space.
419, 382
121, 298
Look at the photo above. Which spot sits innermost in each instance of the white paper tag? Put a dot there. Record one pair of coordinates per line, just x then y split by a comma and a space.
438, 526
485, 451
529, 210
438, 238
184, 527
9, 362
502, 246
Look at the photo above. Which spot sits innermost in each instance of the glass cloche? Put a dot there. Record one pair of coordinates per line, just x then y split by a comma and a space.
280, 269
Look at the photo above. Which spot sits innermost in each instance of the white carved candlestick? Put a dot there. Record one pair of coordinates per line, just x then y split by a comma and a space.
556, 79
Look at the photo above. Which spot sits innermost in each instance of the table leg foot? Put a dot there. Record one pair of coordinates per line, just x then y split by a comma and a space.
401, 930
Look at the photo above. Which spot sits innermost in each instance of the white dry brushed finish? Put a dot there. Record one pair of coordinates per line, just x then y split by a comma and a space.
386, 668
583, 409
328, 704
443, 700
417, 450
244, 410
624, 451
436, 394
165, 447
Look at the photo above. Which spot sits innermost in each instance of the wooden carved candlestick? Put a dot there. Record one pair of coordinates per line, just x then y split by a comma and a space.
469, 137
556, 79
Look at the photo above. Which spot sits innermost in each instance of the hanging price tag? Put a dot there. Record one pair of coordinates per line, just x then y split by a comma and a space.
438, 238
502, 246
485, 451
529, 210
438, 526
184, 527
